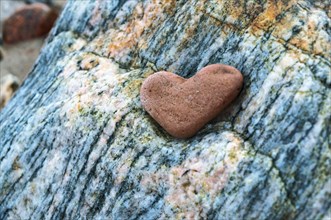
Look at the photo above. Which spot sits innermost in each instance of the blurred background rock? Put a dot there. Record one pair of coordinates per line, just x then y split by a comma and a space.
17, 59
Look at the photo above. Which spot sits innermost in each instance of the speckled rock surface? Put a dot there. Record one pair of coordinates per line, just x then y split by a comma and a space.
76, 143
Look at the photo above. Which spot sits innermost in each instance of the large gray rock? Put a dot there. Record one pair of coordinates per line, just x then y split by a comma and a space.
76, 143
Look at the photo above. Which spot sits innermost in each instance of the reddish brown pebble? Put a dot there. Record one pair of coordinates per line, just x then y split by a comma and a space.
183, 106
28, 22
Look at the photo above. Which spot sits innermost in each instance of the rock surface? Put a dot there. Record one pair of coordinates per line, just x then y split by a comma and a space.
76, 143
182, 107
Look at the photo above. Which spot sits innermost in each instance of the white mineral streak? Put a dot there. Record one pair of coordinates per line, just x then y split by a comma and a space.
77, 143
201, 178
83, 91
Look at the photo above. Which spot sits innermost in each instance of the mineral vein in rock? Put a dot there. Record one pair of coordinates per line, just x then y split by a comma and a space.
76, 143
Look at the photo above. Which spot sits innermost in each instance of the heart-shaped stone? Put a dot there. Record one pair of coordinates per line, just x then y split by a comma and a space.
183, 106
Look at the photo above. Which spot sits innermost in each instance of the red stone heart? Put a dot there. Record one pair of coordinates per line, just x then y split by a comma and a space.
183, 106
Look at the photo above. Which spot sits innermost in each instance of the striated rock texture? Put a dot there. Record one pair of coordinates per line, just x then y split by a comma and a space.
76, 143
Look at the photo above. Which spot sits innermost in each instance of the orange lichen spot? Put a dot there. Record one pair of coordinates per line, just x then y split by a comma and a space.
89, 63
268, 17
234, 9
133, 87
168, 5
128, 36
79, 107
300, 43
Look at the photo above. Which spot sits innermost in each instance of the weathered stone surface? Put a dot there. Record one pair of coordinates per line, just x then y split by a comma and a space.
76, 143
183, 106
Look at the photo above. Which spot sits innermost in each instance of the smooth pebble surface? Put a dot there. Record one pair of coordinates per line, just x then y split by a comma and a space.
183, 106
